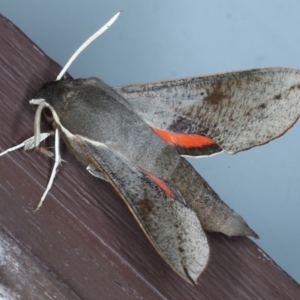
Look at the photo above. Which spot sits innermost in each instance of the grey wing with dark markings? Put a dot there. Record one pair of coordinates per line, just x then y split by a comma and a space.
173, 229
237, 110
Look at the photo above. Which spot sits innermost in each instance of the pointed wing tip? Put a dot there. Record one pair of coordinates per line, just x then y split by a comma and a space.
253, 234
193, 273
193, 281
192, 278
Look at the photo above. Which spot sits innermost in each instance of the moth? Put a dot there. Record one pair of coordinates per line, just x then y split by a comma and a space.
135, 137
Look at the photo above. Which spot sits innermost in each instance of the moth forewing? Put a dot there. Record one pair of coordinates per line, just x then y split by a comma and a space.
173, 229
237, 110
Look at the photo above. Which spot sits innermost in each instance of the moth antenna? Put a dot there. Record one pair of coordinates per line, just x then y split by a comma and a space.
86, 43
53, 173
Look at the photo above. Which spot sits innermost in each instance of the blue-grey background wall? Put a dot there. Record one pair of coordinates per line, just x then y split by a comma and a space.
156, 40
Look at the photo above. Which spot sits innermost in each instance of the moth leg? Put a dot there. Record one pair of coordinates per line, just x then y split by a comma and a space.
96, 173
54, 170
27, 144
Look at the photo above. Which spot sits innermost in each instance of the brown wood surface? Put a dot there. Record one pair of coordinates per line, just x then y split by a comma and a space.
84, 243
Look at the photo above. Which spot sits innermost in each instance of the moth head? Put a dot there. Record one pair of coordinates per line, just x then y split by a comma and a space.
53, 97
50, 100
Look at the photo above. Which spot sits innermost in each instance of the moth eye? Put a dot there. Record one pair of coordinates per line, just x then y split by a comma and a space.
48, 115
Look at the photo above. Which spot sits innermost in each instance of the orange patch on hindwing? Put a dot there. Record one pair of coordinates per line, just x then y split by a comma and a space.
163, 185
184, 139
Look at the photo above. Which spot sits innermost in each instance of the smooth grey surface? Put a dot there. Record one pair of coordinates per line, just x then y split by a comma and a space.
171, 39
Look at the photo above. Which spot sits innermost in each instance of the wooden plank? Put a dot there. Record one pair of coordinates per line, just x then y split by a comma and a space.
84, 243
